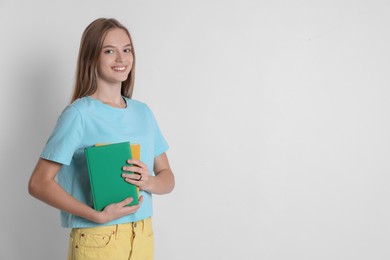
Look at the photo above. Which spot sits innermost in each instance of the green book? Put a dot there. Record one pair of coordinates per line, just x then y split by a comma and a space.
105, 163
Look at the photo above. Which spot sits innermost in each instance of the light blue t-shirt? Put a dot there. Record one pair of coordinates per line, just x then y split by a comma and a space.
87, 122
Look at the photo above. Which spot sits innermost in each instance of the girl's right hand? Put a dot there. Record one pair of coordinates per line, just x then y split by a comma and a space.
117, 210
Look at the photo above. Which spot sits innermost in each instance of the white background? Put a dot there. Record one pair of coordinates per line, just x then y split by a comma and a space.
277, 114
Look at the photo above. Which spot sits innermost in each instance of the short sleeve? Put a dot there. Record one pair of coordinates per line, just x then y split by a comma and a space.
65, 138
160, 144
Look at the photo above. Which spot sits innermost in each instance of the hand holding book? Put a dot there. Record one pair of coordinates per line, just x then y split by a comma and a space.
139, 175
116, 210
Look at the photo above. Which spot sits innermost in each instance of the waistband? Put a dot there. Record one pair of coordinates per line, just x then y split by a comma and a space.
114, 229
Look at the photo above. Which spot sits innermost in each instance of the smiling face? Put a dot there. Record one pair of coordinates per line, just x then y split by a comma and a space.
116, 58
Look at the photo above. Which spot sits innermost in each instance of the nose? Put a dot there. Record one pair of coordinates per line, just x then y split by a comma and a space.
119, 57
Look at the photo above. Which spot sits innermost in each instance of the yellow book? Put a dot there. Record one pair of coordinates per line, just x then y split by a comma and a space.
136, 154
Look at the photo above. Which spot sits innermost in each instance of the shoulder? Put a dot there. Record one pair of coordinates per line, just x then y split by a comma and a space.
80, 104
143, 110
137, 105
74, 111
135, 102
84, 106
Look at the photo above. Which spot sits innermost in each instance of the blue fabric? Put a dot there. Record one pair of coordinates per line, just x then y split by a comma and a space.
87, 122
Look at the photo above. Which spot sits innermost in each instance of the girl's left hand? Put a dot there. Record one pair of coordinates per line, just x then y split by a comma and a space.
140, 177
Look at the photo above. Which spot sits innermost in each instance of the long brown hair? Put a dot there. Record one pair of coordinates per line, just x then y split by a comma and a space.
89, 53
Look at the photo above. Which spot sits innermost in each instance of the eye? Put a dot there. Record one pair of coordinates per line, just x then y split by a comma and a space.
127, 50
108, 51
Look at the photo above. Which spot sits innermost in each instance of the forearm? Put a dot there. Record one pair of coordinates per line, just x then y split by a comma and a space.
42, 185
53, 194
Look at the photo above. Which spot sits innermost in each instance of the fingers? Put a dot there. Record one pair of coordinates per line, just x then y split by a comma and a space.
133, 177
139, 176
137, 163
134, 173
131, 170
134, 169
137, 171
120, 209
135, 166
125, 202
131, 209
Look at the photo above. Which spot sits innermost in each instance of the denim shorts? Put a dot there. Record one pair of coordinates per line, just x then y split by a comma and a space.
130, 241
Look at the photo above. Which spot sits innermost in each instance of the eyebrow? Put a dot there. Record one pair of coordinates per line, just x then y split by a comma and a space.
112, 46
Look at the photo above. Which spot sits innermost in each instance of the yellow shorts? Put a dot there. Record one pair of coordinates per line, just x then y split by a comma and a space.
130, 241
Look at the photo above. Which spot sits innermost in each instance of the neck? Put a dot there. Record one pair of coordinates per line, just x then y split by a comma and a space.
111, 98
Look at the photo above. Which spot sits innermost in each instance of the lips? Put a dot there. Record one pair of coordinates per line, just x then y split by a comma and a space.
119, 68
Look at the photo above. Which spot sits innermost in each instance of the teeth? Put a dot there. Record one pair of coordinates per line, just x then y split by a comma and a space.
119, 68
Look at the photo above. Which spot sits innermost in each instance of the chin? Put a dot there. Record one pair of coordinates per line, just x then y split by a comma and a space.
121, 79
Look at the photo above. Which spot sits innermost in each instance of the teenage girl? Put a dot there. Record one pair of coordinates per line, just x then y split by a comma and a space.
102, 111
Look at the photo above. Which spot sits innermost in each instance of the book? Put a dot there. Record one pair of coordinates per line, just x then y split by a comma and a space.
105, 163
